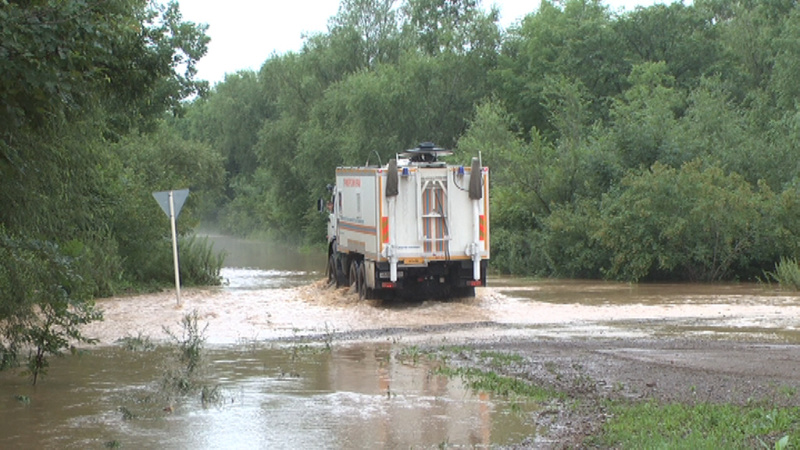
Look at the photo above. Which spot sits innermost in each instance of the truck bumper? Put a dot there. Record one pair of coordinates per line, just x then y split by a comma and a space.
435, 274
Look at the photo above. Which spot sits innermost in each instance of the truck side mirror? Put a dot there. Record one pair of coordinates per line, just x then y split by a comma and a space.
324, 206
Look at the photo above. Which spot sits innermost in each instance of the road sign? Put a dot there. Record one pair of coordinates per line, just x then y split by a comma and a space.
178, 198
171, 203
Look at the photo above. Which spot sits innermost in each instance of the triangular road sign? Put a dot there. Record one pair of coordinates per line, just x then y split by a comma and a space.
178, 199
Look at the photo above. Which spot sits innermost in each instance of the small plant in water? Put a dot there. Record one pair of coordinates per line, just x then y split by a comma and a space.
412, 353
191, 341
328, 338
210, 395
127, 414
190, 355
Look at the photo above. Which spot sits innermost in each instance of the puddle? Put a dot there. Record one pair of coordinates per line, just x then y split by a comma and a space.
358, 396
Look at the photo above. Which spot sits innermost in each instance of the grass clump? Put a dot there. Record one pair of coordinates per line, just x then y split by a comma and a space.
490, 381
485, 377
704, 425
410, 355
501, 360
787, 273
138, 343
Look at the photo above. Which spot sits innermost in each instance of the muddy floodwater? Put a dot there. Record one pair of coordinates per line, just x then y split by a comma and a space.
350, 397
290, 362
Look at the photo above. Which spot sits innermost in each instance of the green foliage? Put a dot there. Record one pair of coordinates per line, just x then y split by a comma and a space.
488, 381
370, 27
43, 303
229, 120
443, 26
158, 162
645, 118
138, 343
199, 264
679, 37
80, 80
59, 58
697, 222
575, 41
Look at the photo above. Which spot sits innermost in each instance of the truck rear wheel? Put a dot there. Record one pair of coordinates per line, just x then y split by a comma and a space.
364, 292
331, 270
334, 274
353, 276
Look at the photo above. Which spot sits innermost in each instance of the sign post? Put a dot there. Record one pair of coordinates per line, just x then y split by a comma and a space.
171, 203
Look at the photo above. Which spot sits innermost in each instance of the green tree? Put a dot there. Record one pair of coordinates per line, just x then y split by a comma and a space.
60, 58
450, 26
373, 29
159, 162
228, 122
646, 116
681, 37
576, 42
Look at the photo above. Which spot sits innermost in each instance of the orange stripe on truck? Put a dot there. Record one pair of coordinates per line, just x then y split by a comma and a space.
384, 230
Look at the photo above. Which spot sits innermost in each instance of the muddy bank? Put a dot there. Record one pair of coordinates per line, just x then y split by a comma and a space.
688, 371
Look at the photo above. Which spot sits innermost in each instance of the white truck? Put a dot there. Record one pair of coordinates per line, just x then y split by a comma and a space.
416, 226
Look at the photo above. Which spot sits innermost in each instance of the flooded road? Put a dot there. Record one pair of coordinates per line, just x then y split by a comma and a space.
298, 364
349, 397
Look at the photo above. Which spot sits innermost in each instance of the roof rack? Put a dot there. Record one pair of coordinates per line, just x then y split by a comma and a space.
426, 152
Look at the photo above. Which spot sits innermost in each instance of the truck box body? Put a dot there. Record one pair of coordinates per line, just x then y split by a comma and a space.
430, 233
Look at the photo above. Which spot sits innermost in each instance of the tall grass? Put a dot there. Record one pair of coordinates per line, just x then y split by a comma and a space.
787, 273
199, 264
